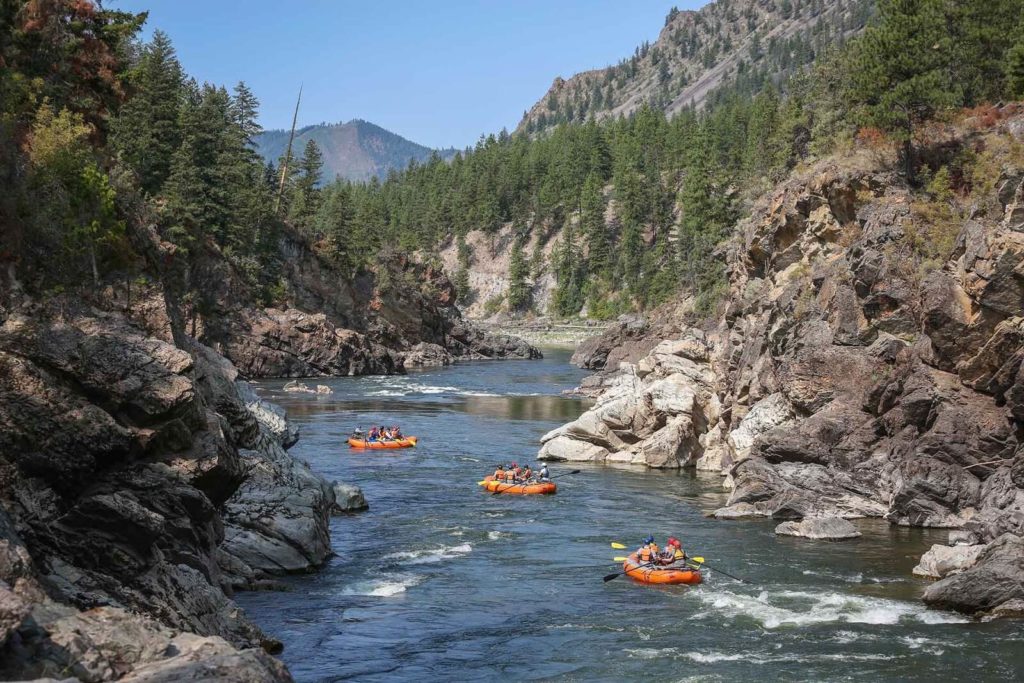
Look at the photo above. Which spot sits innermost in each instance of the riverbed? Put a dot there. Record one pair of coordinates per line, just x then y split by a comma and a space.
441, 581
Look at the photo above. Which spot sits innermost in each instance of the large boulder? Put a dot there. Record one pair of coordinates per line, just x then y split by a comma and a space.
348, 498
943, 560
819, 528
997, 578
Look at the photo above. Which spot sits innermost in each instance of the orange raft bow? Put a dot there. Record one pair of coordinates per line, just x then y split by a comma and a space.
407, 442
492, 486
655, 574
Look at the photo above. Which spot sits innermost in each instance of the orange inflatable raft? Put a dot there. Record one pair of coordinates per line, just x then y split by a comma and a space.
662, 575
539, 488
407, 442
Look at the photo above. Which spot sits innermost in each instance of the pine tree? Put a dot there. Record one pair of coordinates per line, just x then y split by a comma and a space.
306, 191
594, 228
335, 219
1015, 69
900, 72
146, 131
518, 271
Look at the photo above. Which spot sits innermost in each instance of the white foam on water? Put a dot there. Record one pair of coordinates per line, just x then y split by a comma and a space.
803, 608
495, 535
430, 556
927, 645
382, 588
651, 652
848, 578
712, 657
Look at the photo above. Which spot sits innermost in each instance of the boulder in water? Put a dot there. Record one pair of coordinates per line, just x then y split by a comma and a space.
995, 584
819, 528
944, 560
348, 498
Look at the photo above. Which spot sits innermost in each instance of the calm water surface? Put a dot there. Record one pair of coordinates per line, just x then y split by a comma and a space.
440, 581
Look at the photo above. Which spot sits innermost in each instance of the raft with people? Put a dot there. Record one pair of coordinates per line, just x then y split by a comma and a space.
381, 437
648, 573
404, 442
492, 485
521, 481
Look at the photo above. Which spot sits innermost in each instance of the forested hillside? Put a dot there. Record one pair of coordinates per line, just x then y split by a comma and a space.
701, 56
357, 150
638, 204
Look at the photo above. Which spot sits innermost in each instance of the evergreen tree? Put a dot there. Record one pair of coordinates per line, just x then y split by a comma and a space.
146, 132
899, 70
594, 228
1015, 69
568, 296
306, 191
518, 271
335, 220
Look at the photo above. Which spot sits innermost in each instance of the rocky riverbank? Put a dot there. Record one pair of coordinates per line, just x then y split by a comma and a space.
140, 484
324, 322
850, 373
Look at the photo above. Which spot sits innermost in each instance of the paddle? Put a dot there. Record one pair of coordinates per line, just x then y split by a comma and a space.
721, 572
498, 490
612, 577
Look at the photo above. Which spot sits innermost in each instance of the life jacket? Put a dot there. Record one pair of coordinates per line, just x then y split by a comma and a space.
655, 549
510, 475
645, 554
499, 474
527, 474
679, 554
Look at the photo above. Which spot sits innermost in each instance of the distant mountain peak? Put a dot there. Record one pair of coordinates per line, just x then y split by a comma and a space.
354, 150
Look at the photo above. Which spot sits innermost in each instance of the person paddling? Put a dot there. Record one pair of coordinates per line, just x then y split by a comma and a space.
648, 551
543, 474
499, 472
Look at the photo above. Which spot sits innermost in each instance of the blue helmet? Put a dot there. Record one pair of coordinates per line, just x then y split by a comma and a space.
649, 539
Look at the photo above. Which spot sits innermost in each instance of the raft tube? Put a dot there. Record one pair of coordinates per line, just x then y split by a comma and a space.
540, 488
654, 574
407, 442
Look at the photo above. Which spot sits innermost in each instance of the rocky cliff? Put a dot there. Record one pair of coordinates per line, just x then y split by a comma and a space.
866, 362
742, 42
321, 321
140, 483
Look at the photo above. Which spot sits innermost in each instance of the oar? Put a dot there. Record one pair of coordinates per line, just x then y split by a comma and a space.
612, 577
720, 571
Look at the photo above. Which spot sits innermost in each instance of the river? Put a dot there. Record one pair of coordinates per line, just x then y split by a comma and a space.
440, 581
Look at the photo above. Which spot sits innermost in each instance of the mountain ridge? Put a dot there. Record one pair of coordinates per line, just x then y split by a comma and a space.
747, 43
353, 150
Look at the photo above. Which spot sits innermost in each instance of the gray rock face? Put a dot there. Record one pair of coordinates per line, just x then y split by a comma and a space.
629, 340
652, 414
133, 467
426, 355
995, 580
348, 498
943, 560
847, 376
819, 528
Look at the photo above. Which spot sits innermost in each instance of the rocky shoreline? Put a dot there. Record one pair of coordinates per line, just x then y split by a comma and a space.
140, 485
841, 379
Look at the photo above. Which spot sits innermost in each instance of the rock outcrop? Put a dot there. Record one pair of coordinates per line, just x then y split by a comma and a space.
139, 483
867, 362
348, 498
819, 528
326, 323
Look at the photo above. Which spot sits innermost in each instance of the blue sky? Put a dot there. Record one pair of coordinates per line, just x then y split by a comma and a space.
439, 73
